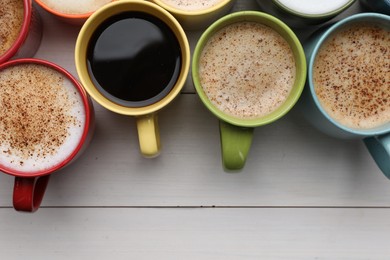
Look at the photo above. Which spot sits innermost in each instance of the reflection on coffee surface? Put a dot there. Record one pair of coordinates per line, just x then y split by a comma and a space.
351, 76
134, 59
11, 20
192, 5
247, 70
42, 117
75, 6
314, 6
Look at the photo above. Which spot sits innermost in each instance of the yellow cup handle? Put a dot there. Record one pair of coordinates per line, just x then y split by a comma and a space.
148, 135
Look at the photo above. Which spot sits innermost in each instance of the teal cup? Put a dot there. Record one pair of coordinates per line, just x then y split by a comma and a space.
376, 139
379, 6
236, 133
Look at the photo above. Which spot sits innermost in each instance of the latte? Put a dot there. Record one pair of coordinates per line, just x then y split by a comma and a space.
313, 7
42, 117
75, 6
192, 5
247, 70
351, 76
11, 20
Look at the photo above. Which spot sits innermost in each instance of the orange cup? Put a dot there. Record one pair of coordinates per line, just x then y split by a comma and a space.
76, 19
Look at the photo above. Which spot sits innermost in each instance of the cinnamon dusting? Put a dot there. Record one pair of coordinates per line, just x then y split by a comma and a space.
34, 111
352, 76
11, 20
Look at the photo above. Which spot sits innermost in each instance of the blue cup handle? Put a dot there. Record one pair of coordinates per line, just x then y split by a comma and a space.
379, 148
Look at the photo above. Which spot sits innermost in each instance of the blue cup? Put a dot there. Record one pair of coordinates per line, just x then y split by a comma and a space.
377, 139
379, 6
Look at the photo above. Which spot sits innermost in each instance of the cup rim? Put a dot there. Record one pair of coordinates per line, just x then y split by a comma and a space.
328, 32
27, 15
314, 16
181, 12
100, 16
88, 117
82, 16
300, 62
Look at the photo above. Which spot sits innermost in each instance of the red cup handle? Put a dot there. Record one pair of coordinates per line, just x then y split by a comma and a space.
28, 192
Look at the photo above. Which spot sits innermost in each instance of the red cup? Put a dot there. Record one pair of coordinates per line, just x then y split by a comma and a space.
30, 35
29, 187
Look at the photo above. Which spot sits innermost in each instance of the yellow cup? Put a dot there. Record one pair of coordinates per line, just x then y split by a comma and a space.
197, 19
146, 116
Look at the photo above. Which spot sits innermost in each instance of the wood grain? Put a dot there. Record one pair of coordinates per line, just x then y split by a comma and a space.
301, 195
125, 233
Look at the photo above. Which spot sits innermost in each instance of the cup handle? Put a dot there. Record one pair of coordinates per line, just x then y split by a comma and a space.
235, 144
379, 148
148, 135
28, 192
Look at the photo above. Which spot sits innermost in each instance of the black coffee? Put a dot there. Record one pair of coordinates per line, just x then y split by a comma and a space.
134, 59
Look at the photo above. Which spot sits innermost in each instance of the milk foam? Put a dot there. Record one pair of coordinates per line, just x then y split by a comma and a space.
247, 70
314, 6
11, 20
75, 6
191, 5
351, 76
43, 118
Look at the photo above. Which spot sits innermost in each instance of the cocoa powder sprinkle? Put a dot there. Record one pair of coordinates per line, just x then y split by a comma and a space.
34, 111
247, 70
352, 76
11, 20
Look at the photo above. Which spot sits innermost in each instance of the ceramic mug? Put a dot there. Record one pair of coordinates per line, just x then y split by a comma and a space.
27, 30
380, 6
144, 111
377, 139
236, 133
44, 127
72, 12
299, 13
192, 16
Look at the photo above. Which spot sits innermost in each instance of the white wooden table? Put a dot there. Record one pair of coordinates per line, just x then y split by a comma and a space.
302, 195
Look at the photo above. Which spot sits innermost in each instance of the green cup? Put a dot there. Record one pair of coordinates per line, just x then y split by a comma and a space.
237, 133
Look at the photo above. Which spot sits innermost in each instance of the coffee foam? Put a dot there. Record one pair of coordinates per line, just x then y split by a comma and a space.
314, 6
191, 5
75, 6
11, 20
247, 70
351, 76
42, 117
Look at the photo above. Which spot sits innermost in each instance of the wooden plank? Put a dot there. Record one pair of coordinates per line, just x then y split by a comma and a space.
290, 164
104, 205
125, 233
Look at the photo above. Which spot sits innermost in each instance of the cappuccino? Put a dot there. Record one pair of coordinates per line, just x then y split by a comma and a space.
351, 76
42, 117
11, 20
313, 7
247, 70
191, 5
75, 6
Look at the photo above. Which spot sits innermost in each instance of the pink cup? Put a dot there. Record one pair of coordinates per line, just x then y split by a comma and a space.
30, 186
30, 35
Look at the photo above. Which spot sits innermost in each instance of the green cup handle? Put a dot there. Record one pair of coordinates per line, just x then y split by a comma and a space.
235, 144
